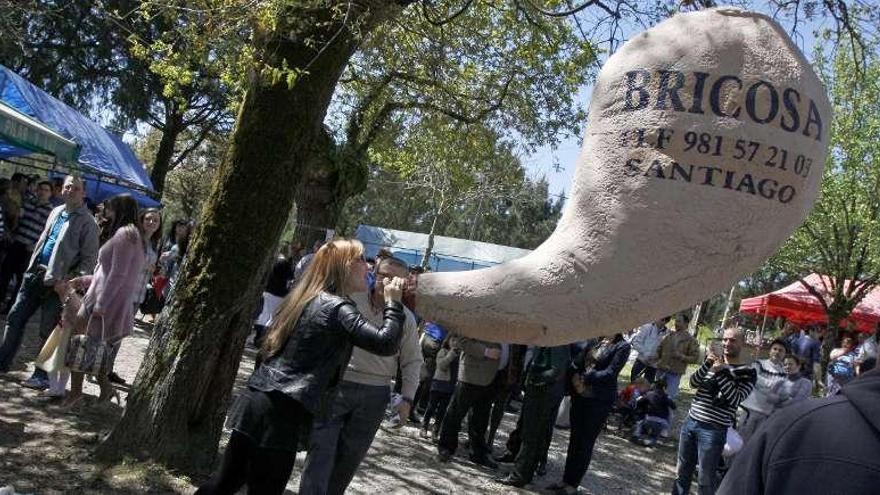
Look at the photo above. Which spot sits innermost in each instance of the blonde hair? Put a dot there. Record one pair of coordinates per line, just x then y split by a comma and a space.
329, 271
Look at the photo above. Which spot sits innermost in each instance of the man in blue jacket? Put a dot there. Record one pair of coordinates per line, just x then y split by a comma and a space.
67, 248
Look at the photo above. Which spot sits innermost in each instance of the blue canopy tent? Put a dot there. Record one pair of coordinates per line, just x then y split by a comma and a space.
22, 135
448, 255
35, 125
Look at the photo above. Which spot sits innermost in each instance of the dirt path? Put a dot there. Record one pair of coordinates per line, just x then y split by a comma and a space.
44, 450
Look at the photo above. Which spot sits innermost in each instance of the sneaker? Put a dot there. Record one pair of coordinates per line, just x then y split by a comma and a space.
511, 480
507, 457
36, 383
484, 461
54, 393
395, 422
561, 488
114, 378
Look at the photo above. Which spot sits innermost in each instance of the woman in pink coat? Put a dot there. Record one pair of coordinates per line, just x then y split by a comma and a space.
107, 309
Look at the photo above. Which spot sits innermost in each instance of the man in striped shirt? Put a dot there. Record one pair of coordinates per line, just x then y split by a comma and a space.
34, 213
721, 383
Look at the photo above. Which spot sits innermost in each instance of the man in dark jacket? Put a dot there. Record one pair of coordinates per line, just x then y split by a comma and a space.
546, 368
594, 381
483, 365
67, 248
823, 446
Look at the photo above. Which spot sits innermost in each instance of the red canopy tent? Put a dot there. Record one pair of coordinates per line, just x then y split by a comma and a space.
796, 304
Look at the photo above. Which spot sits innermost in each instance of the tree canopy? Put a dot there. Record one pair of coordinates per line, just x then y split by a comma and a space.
327, 95
841, 237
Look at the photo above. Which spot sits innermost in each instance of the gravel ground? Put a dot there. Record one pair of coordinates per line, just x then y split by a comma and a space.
44, 450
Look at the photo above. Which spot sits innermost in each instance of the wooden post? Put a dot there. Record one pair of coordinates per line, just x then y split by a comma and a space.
695, 315
761, 331
727, 306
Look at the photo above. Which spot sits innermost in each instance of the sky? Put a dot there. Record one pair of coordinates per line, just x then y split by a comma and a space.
565, 155
558, 165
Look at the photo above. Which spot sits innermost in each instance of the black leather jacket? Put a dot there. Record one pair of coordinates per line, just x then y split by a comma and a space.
315, 355
601, 374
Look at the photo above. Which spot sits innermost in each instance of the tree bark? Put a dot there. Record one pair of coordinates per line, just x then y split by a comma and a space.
832, 332
179, 399
333, 174
426, 259
316, 210
162, 163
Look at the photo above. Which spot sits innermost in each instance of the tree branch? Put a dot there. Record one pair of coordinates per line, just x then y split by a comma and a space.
572, 11
815, 293
356, 121
452, 17
194, 145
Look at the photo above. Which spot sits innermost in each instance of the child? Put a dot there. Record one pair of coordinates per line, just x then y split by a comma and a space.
54, 353
657, 407
626, 401
795, 387
442, 386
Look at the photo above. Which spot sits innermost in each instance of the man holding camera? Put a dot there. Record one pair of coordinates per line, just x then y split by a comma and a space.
721, 383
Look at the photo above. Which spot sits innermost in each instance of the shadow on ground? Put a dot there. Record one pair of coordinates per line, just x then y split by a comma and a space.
46, 450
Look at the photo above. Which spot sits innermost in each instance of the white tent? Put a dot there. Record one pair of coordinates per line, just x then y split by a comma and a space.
449, 254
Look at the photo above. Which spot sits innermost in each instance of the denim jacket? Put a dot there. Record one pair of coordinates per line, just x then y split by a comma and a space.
76, 249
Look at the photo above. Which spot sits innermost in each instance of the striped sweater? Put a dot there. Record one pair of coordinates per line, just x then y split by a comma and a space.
719, 394
31, 224
765, 398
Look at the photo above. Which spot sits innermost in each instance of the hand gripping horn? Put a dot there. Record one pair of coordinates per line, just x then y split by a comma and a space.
705, 146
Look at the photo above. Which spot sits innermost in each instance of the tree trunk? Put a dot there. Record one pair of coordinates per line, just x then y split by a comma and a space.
837, 312
316, 211
162, 163
331, 176
179, 399
426, 260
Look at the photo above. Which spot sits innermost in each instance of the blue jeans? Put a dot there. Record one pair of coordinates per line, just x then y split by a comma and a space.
32, 296
700, 445
339, 444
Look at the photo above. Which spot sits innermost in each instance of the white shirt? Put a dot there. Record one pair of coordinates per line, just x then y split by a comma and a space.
868, 349
505, 356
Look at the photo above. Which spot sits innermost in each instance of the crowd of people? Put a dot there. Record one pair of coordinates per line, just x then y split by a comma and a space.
339, 345
87, 268
437, 380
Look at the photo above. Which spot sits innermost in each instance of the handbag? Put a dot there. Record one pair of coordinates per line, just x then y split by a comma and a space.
89, 355
153, 302
563, 419
733, 442
54, 352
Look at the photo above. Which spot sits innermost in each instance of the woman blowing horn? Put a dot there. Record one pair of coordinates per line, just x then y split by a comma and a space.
306, 350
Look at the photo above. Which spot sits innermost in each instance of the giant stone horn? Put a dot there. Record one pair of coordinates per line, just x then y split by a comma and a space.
704, 151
